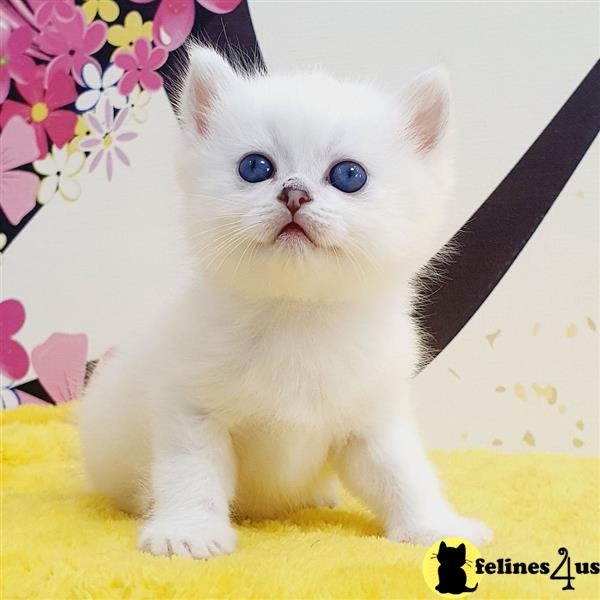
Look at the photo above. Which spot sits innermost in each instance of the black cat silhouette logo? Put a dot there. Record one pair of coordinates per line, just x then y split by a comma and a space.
453, 579
448, 567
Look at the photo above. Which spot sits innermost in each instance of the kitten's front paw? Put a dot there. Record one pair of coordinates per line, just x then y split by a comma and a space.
164, 538
326, 495
428, 532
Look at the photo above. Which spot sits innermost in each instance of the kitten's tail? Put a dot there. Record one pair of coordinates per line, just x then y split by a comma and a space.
472, 589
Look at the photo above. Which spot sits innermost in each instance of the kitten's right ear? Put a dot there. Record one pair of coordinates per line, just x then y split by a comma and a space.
426, 109
208, 77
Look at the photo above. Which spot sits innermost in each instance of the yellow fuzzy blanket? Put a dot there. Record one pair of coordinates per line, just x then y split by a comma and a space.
59, 542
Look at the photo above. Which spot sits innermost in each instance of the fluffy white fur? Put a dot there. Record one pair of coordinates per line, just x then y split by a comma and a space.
283, 364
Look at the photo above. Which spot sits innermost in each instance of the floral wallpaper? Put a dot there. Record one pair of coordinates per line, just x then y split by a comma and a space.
59, 362
75, 81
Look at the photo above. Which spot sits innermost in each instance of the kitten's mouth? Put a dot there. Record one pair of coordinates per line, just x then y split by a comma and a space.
293, 232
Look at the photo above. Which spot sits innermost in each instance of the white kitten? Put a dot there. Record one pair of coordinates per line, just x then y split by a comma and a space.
287, 359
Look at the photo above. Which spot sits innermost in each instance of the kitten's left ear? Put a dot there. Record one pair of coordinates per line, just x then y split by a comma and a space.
209, 76
426, 109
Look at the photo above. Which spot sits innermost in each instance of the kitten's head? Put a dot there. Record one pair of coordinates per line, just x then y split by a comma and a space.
308, 187
450, 556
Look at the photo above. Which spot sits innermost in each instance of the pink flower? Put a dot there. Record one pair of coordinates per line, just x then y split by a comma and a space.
60, 365
36, 15
140, 66
174, 18
106, 136
71, 43
14, 63
42, 107
18, 147
16, 14
14, 362
52, 10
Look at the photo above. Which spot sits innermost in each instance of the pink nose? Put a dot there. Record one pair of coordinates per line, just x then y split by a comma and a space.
294, 198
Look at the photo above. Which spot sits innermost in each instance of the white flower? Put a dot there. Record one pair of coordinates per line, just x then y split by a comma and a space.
100, 86
138, 99
59, 168
8, 398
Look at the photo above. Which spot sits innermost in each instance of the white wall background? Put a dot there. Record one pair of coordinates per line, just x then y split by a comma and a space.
513, 64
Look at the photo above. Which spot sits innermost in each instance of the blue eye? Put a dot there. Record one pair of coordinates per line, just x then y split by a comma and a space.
255, 167
347, 176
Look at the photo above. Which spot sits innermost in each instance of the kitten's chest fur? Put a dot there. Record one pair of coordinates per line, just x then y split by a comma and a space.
311, 365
